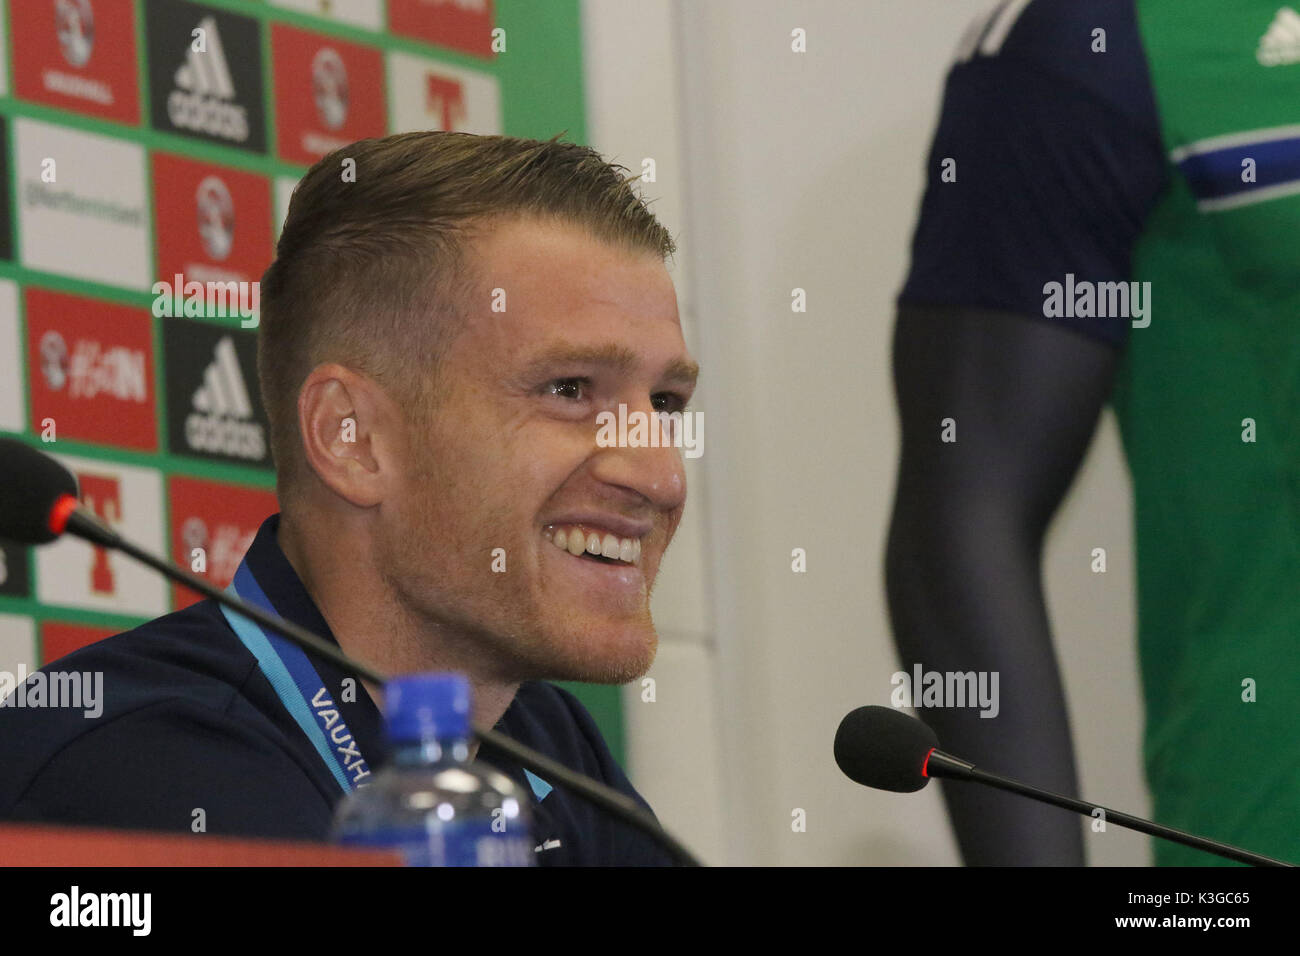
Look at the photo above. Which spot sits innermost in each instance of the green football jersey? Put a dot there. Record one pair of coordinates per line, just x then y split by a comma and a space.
1208, 404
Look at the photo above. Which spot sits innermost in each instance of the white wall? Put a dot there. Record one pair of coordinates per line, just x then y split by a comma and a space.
780, 170
633, 113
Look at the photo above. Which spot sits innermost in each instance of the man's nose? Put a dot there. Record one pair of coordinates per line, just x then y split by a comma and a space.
642, 459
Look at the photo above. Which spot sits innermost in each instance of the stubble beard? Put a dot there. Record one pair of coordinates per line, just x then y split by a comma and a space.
499, 626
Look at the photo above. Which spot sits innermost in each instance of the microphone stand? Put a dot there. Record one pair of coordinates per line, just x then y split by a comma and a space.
940, 764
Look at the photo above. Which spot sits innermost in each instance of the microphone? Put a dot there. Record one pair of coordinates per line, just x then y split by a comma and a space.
887, 749
36, 494
38, 503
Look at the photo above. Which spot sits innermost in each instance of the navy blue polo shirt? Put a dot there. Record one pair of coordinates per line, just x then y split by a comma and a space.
191, 729
1060, 165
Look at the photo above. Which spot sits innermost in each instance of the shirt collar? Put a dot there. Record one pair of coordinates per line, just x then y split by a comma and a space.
280, 586
280, 582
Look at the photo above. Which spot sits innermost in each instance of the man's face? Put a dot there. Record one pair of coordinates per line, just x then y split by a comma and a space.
511, 462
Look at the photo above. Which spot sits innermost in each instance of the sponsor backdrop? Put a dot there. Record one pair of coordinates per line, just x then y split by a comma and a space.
151, 147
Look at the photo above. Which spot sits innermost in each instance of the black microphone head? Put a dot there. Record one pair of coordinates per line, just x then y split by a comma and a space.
884, 748
31, 483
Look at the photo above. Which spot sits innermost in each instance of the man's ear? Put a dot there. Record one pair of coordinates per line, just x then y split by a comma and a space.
349, 428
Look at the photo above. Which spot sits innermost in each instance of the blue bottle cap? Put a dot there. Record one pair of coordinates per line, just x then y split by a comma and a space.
423, 706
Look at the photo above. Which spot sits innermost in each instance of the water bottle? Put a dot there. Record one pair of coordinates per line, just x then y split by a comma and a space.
430, 802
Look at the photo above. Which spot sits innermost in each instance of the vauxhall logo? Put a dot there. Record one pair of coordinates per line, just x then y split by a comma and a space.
327, 715
74, 22
216, 217
74, 26
329, 87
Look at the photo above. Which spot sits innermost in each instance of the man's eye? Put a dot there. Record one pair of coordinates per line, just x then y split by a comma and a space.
668, 402
570, 388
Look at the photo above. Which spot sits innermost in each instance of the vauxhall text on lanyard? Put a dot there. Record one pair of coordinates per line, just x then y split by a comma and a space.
301, 690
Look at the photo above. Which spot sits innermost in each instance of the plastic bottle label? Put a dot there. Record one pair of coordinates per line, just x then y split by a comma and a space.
468, 844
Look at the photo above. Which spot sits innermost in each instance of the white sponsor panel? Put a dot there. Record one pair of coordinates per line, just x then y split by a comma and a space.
91, 221
429, 94
71, 572
17, 644
13, 416
283, 193
362, 13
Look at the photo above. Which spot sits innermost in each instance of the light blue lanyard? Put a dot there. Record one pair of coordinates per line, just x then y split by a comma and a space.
300, 688
303, 693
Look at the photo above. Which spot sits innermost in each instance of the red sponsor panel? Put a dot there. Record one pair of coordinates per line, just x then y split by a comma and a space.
464, 25
328, 93
218, 518
77, 55
59, 639
213, 223
90, 365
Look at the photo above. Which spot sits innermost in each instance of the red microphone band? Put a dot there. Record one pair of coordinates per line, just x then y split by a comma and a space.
61, 511
926, 763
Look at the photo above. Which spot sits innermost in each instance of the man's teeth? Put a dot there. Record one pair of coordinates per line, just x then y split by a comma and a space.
575, 540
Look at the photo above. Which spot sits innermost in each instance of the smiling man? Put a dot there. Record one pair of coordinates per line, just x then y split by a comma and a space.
446, 317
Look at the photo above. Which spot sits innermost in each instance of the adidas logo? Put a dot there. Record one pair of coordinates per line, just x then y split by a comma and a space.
223, 391
220, 421
204, 88
1280, 43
